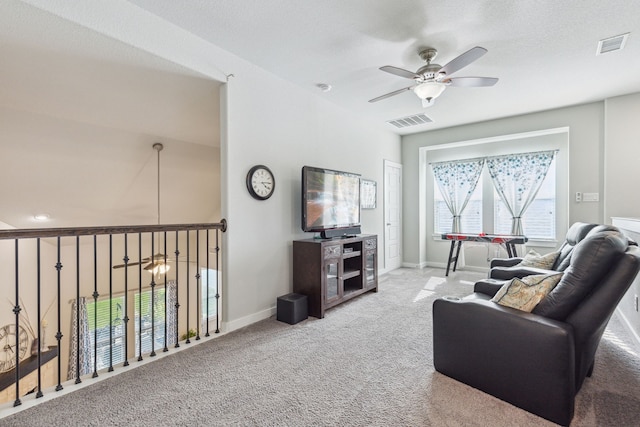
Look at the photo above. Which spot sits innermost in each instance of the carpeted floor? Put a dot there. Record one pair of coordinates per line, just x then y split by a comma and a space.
367, 363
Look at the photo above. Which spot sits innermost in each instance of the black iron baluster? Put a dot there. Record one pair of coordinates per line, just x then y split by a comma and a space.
58, 332
207, 305
78, 380
111, 304
125, 318
16, 311
164, 251
154, 270
139, 297
95, 305
217, 284
177, 252
188, 297
198, 283
38, 303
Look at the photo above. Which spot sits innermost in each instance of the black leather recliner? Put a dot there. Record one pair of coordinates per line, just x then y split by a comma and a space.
539, 360
508, 268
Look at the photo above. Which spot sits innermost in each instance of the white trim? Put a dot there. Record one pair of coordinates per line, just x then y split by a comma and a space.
490, 139
413, 265
628, 326
631, 224
248, 320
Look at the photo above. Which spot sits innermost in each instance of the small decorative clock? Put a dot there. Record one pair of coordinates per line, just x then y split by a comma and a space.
8, 334
260, 182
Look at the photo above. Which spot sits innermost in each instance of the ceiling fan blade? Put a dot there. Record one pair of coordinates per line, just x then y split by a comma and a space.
390, 94
129, 264
463, 60
471, 81
152, 265
399, 72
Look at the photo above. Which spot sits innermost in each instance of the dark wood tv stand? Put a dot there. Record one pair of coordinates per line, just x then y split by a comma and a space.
332, 271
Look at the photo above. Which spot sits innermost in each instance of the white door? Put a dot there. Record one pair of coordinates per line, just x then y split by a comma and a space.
392, 215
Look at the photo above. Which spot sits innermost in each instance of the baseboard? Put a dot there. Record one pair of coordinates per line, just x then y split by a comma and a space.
628, 326
477, 269
248, 320
413, 265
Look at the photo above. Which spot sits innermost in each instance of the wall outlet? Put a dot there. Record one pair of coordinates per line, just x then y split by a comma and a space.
578, 197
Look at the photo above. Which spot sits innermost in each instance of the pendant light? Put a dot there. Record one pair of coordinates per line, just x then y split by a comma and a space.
161, 267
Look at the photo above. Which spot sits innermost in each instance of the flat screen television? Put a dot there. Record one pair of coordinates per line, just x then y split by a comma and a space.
330, 202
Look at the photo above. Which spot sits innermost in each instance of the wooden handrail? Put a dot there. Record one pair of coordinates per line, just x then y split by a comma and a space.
90, 231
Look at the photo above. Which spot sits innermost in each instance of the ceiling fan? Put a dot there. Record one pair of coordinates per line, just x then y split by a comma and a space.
155, 264
149, 263
432, 79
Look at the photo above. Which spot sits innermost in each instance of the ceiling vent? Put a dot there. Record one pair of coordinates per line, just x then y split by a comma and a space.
612, 44
418, 119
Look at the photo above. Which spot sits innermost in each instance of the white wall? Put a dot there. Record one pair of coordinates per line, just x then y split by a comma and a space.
622, 157
284, 128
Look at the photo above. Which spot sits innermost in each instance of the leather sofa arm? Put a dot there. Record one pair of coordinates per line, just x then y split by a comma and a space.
504, 262
518, 357
506, 273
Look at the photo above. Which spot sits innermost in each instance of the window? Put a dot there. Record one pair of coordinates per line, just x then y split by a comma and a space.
209, 303
471, 218
539, 221
99, 327
144, 315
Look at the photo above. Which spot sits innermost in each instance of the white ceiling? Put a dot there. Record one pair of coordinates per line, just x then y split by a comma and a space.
79, 85
79, 113
543, 51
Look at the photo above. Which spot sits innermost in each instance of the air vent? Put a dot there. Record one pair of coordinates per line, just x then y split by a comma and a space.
612, 44
418, 119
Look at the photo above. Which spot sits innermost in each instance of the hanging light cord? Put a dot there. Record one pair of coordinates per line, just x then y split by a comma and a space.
158, 147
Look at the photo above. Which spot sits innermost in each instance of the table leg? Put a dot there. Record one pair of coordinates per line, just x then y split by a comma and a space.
511, 250
453, 244
508, 246
455, 262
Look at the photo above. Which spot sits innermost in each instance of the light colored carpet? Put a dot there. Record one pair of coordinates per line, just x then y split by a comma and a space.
367, 363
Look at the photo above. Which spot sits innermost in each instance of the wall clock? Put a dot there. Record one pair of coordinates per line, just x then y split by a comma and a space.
8, 348
260, 182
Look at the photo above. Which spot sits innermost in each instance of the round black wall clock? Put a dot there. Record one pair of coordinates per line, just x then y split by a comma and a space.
260, 182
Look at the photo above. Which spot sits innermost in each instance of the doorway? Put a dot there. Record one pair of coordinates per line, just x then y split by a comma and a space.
392, 215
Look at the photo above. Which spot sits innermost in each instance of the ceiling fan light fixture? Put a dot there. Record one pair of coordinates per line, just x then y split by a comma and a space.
161, 268
429, 90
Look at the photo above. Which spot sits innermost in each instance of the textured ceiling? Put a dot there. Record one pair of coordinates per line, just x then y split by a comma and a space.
542, 51
63, 83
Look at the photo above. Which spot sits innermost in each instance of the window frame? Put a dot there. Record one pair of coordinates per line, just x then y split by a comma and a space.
489, 204
537, 140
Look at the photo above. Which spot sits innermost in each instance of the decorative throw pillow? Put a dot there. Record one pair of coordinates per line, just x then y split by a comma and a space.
534, 259
524, 294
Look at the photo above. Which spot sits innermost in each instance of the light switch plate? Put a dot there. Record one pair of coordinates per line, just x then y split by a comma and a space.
590, 197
